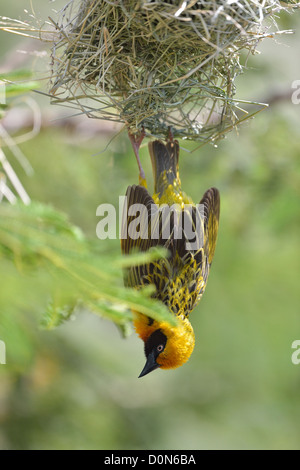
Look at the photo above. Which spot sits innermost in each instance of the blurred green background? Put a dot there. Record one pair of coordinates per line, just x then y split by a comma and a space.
76, 387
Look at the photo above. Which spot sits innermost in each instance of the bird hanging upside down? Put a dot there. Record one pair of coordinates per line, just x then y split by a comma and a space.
180, 278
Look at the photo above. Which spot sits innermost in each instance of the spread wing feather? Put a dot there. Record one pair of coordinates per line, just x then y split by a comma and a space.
211, 202
187, 264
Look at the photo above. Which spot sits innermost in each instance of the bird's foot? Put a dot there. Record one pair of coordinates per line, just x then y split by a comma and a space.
136, 141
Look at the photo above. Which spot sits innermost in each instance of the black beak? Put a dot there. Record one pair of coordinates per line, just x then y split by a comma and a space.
150, 365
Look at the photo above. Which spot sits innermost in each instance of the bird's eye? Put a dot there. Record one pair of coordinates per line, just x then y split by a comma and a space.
160, 348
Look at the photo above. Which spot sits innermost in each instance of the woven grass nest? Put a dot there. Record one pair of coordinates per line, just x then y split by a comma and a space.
153, 65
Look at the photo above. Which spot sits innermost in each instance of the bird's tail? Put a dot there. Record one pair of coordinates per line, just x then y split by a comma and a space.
164, 159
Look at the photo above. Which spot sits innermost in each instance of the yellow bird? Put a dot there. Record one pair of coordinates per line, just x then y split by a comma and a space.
180, 278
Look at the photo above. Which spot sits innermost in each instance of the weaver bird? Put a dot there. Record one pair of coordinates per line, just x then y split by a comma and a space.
180, 278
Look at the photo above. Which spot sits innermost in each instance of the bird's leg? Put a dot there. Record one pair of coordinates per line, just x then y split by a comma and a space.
136, 141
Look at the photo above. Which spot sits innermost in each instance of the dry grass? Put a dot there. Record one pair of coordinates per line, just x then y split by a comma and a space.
156, 64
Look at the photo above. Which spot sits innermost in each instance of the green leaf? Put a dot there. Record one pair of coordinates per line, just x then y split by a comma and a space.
56, 315
20, 74
43, 250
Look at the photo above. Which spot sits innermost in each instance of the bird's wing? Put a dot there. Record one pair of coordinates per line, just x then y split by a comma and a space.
204, 256
152, 221
211, 203
136, 220
138, 236
149, 227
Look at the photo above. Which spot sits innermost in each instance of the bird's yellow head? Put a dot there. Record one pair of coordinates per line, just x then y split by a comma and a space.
166, 346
